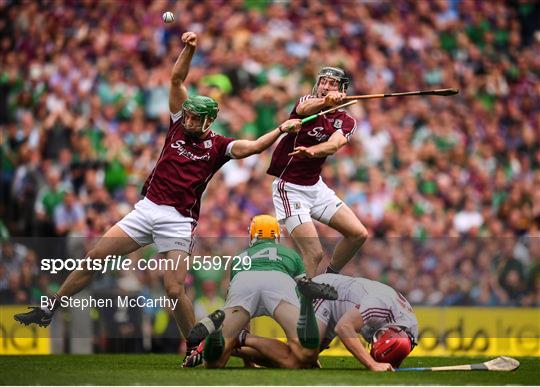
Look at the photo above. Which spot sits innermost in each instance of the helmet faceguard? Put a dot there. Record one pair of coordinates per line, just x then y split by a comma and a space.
334, 73
264, 227
391, 344
204, 107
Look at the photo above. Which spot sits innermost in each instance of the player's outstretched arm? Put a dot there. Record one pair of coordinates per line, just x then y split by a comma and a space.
347, 328
244, 148
178, 93
324, 149
314, 105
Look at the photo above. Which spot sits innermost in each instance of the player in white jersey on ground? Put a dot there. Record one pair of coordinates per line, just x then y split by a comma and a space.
381, 315
299, 193
266, 288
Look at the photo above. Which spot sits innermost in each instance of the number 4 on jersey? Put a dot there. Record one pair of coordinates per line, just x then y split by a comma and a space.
269, 253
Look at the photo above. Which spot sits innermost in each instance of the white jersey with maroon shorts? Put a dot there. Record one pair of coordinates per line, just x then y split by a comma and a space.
299, 193
378, 304
170, 210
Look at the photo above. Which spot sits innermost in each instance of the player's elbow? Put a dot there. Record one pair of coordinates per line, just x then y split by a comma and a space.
307, 108
176, 80
301, 110
344, 329
336, 143
244, 150
256, 147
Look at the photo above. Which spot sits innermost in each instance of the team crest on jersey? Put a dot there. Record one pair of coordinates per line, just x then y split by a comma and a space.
297, 205
208, 144
338, 124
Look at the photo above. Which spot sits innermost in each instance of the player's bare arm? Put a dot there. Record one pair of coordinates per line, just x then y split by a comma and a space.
347, 329
245, 148
178, 93
314, 105
324, 149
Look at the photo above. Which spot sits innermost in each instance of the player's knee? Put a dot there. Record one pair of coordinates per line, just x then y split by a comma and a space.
220, 363
305, 357
358, 234
309, 357
212, 365
174, 291
291, 362
96, 254
316, 255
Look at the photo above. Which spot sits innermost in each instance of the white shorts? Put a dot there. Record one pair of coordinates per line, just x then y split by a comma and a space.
150, 222
260, 292
296, 204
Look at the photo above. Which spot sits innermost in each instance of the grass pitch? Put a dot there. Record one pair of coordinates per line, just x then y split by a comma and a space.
165, 370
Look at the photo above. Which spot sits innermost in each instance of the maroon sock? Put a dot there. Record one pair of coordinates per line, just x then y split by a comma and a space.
331, 270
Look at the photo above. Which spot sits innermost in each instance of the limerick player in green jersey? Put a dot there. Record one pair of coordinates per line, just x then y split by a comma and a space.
266, 288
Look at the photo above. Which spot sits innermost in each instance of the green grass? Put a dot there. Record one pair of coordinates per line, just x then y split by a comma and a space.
165, 370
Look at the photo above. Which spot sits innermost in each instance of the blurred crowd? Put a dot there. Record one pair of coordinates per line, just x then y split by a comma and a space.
449, 188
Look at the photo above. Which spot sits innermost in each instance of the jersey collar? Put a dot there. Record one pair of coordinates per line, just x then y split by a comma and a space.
262, 241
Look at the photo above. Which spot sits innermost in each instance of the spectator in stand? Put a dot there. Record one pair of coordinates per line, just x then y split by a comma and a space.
209, 300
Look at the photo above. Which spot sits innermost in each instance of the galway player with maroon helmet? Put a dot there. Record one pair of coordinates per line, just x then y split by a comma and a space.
169, 211
299, 193
381, 315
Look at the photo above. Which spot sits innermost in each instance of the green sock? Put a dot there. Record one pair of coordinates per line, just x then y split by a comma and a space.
214, 346
307, 328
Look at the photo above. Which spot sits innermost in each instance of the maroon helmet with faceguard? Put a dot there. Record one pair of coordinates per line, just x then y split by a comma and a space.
391, 344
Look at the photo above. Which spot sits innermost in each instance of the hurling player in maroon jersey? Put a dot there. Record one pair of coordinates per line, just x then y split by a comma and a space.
169, 211
299, 193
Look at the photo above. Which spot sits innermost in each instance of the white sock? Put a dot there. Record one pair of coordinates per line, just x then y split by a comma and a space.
208, 324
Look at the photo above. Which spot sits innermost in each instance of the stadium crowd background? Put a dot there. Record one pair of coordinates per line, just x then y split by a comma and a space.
449, 188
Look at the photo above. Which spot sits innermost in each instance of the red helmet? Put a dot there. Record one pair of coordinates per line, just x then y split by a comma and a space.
391, 344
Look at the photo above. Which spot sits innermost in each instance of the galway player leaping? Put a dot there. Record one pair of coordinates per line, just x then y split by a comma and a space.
169, 211
376, 311
299, 193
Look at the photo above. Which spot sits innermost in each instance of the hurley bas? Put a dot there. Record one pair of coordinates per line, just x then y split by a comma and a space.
121, 302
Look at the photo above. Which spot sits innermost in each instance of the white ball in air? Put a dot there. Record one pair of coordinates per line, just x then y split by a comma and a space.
168, 17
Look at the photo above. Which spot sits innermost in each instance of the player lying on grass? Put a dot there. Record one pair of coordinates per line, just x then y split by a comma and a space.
266, 289
169, 211
381, 315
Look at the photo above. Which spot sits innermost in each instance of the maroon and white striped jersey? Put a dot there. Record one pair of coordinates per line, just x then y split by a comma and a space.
306, 171
185, 167
378, 304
